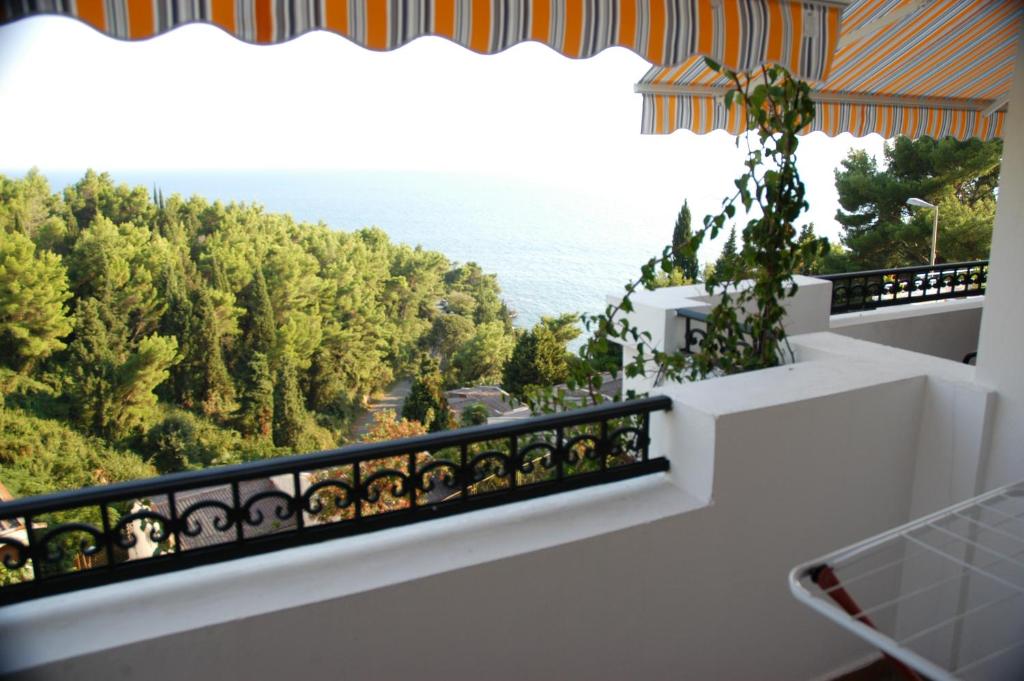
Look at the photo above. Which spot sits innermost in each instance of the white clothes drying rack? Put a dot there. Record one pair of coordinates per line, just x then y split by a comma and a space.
943, 595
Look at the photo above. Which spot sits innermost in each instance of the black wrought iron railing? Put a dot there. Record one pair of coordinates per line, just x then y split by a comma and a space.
71, 540
695, 332
853, 291
694, 329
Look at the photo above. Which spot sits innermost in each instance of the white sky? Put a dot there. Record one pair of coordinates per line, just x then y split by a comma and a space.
197, 98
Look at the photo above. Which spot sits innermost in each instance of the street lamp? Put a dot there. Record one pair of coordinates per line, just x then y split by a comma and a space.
920, 203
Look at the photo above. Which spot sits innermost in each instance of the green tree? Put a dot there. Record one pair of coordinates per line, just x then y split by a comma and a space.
258, 331
818, 260
28, 207
449, 333
426, 402
43, 455
112, 390
521, 372
298, 322
114, 263
183, 441
482, 359
256, 416
475, 414
135, 380
175, 446
881, 230
33, 314
177, 322
681, 235
482, 289
215, 393
257, 413
539, 358
729, 260
289, 413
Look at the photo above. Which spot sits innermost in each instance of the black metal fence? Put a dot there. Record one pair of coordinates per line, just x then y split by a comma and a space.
694, 329
71, 540
853, 291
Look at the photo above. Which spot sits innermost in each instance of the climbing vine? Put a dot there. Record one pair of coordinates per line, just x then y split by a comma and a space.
744, 331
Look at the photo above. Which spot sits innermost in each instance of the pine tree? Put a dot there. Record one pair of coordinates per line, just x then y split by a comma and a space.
681, 235
426, 401
215, 392
257, 416
258, 328
552, 360
33, 316
521, 370
177, 322
92, 362
539, 357
289, 412
142, 371
881, 230
726, 267
257, 412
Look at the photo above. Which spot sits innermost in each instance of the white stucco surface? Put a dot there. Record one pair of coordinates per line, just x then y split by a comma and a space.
942, 328
1000, 357
101, 618
670, 576
655, 312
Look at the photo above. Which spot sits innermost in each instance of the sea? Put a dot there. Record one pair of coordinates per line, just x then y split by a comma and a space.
554, 248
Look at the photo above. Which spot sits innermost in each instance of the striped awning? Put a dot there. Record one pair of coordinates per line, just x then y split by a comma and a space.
903, 67
739, 33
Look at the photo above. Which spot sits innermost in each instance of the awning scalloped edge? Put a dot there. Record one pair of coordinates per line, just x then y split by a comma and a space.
663, 114
741, 34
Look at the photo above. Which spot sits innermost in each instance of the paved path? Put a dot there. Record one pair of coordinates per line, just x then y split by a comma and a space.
393, 399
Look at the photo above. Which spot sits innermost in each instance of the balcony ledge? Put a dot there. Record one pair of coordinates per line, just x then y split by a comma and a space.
922, 309
50, 629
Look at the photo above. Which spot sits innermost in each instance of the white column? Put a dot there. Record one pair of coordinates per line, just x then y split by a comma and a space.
1001, 342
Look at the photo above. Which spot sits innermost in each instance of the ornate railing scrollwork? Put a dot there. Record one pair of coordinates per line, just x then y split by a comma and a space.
223, 519
312, 502
488, 463
626, 439
283, 510
98, 535
158, 530
447, 472
16, 556
88, 546
547, 456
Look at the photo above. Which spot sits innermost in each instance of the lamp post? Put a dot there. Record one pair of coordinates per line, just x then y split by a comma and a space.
920, 203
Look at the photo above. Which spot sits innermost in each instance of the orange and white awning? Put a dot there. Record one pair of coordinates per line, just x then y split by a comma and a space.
937, 68
739, 33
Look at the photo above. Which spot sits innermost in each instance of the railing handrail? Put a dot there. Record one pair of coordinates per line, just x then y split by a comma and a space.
872, 289
917, 269
57, 501
689, 313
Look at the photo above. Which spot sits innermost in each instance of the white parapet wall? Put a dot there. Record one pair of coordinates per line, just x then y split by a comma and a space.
657, 313
677, 575
941, 328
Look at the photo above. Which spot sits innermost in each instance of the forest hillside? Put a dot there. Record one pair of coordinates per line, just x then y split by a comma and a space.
141, 334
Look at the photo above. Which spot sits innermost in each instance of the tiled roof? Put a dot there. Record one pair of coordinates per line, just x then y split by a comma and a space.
494, 398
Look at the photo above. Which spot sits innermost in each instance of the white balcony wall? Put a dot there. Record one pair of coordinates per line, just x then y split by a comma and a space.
790, 463
943, 328
1000, 357
656, 313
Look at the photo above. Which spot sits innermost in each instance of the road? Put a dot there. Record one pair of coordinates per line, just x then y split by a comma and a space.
393, 399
